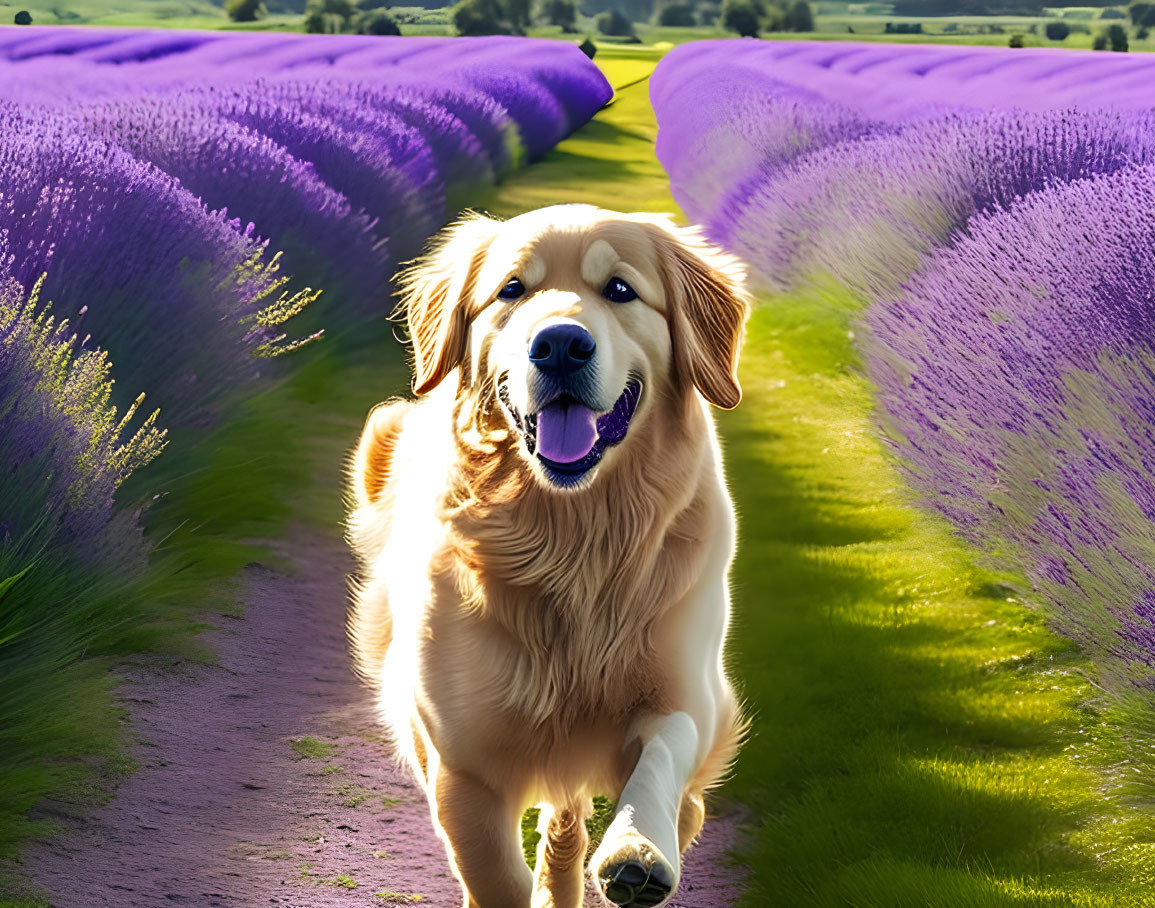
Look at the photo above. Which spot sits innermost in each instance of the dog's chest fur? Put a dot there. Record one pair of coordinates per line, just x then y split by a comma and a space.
563, 597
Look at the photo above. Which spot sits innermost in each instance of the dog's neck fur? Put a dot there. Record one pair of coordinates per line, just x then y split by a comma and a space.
578, 580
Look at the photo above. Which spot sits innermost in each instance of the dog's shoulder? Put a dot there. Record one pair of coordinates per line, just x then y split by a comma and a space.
372, 463
372, 477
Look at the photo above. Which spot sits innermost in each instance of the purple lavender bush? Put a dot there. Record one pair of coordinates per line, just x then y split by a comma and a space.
1016, 380
995, 212
396, 132
68, 555
744, 124
867, 211
856, 160
317, 229
901, 82
179, 295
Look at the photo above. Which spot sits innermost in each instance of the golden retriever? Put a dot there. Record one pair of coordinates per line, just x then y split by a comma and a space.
545, 539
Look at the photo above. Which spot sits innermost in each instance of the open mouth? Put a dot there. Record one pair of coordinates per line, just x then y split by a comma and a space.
569, 438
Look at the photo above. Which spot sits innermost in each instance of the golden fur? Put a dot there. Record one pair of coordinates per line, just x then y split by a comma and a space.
534, 646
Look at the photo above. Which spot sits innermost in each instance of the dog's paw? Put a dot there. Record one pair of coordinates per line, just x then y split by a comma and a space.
636, 876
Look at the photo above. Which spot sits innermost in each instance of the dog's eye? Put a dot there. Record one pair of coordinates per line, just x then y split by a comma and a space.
511, 291
618, 291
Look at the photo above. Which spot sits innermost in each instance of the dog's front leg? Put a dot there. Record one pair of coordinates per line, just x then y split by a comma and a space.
638, 861
481, 829
561, 854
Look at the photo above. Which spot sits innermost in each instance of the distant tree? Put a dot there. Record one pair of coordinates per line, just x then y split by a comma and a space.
560, 12
376, 22
709, 13
677, 15
372, 4
519, 14
1099, 42
245, 10
479, 17
588, 47
741, 16
1142, 34
1016, 41
491, 17
1137, 11
1112, 13
23, 17
1117, 38
1146, 17
1057, 31
799, 17
615, 23
329, 17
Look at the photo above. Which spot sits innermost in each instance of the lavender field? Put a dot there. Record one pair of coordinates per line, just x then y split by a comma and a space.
945, 626
990, 217
181, 212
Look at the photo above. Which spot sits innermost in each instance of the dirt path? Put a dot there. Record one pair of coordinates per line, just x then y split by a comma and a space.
263, 779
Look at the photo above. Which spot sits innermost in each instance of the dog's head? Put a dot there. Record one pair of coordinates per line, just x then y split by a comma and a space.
569, 324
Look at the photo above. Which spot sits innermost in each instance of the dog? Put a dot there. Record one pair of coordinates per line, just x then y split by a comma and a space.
545, 538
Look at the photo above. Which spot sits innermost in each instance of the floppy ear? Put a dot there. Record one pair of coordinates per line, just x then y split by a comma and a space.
436, 291
708, 308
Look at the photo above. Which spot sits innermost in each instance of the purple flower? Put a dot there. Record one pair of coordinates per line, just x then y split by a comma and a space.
171, 289
868, 210
320, 233
64, 449
1015, 376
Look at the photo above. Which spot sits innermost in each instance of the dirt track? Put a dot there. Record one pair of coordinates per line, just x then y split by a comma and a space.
263, 779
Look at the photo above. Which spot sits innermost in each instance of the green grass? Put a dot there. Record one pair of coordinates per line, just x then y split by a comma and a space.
311, 748
351, 794
920, 737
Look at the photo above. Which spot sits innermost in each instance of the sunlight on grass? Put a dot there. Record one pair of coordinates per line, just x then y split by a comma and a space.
918, 736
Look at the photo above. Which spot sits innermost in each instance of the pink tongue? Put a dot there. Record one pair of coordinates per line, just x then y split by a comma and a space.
566, 432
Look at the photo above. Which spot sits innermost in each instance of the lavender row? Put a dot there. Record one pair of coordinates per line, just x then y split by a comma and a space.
997, 215
329, 174
1016, 375
868, 211
799, 184
174, 291
897, 82
68, 555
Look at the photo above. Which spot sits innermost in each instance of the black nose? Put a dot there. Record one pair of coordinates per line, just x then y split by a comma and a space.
561, 350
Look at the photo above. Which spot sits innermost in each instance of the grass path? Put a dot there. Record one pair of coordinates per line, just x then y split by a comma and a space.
921, 737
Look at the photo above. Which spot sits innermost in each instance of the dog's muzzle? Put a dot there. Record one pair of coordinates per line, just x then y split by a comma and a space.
567, 436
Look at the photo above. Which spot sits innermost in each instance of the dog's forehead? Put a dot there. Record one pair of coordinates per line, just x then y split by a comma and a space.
579, 241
